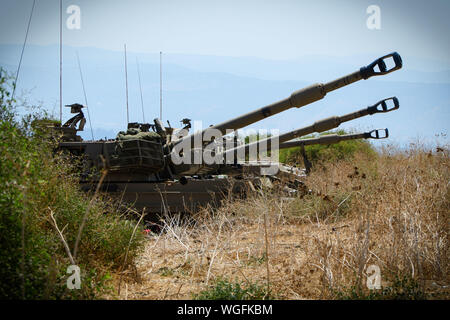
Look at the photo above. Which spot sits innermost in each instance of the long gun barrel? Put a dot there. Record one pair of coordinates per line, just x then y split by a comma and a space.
382, 106
334, 138
305, 96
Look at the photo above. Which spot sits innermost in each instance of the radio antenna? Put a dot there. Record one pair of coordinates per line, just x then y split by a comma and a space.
85, 96
60, 61
126, 82
23, 48
140, 88
160, 85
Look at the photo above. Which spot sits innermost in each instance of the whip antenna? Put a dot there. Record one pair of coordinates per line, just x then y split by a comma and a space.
160, 85
140, 88
85, 96
23, 48
126, 82
60, 61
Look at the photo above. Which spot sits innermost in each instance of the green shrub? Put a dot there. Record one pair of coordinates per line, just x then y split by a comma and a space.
327, 153
401, 288
225, 290
35, 181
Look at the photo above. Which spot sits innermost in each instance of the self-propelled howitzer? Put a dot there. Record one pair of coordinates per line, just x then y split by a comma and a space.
293, 176
383, 106
140, 163
222, 163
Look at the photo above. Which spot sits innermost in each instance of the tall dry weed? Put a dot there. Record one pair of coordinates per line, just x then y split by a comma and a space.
391, 211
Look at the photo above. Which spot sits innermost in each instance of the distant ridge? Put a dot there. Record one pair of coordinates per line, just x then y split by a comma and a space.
212, 89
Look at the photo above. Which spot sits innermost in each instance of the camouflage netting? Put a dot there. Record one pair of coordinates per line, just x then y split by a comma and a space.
136, 150
134, 133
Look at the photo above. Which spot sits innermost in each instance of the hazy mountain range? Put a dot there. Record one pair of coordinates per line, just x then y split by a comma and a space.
214, 88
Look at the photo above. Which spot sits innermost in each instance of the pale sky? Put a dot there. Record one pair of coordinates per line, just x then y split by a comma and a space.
282, 29
268, 29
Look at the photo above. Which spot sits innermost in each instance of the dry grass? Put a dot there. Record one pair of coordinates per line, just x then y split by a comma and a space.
392, 212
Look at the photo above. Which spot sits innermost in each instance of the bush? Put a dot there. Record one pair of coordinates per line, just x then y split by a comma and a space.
327, 153
225, 290
35, 181
401, 288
